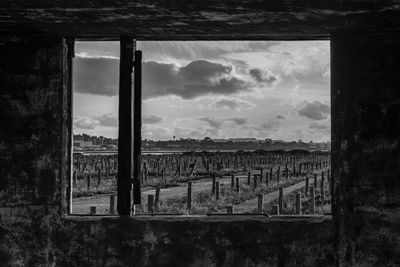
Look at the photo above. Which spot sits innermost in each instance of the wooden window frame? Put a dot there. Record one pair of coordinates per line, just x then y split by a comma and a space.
129, 134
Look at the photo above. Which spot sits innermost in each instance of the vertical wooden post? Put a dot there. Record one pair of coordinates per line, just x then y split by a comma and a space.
255, 181
98, 177
189, 195
125, 157
137, 125
237, 185
232, 181
88, 182
157, 200
278, 174
260, 203
150, 204
229, 210
315, 183
261, 176
266, 178
280, 200
92, 210
322, 189
312, 200
275, 210
216, 190
112, 204
298, 203
307, 186
213, 185
248, 178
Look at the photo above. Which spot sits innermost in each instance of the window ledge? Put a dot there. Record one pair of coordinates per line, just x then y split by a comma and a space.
205, 218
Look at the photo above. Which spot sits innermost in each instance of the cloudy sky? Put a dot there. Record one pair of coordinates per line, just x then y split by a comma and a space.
261, 89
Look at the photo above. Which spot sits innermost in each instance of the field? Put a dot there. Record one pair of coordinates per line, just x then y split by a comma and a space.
211, 182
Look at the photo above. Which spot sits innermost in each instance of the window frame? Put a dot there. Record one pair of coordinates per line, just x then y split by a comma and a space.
129, 133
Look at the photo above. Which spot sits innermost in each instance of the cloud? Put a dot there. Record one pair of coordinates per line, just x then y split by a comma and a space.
198, 78
86, 123
234, 104
318, 126
271, 125
239, 121
315, 111
263, 76
99, 76
214, 123
107, 120
151, 119
280, 117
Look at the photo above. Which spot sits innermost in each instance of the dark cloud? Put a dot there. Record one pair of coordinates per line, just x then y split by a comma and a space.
215, 123
315, 111
151, 119
239, 121
107, 120
198, 78
235, 104
280, 117
263, 76
318, 126
271, 125
99, 76
84, 123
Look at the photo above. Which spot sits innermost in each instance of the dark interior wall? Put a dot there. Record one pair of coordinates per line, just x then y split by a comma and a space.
366, 146
365, 128
32, 157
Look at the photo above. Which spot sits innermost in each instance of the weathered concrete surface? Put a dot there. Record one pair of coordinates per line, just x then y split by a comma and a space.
366, 130
33, 184
366, 147
193, 19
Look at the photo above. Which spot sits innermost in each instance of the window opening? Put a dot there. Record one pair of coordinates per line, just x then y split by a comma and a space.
95, 80
238, 127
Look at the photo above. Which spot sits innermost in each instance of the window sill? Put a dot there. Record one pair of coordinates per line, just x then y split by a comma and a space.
205, 218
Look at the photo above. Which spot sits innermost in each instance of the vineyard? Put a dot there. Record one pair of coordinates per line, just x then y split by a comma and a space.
259, 182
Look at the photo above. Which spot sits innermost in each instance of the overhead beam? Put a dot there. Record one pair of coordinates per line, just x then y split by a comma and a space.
193, 19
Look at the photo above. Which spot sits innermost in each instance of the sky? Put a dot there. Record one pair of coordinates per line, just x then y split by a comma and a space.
217, 89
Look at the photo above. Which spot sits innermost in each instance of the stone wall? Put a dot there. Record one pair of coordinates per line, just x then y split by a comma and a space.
365, 130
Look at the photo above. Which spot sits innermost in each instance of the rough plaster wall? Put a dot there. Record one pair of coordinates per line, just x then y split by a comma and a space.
30, 112
32, 231
366, 100
366, 147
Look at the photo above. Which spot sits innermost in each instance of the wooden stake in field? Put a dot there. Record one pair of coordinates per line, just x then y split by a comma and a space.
232, 181
189, 196
248, 178
307, 186
322, 189
88, 182
280, 200
112, 204
237, 185
92, 210
298, 203
312, 200
213, 185
260, 203
229, 210
216, 190
157, 200
278, 174
315, 182
275, 210
150, 204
